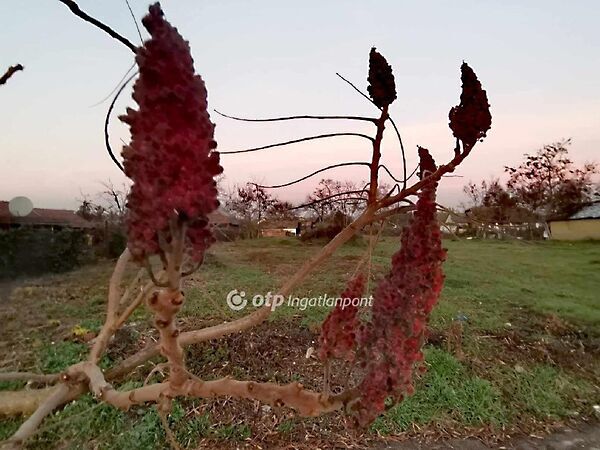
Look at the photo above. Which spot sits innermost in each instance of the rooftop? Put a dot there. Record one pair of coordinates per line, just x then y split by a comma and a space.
44, 217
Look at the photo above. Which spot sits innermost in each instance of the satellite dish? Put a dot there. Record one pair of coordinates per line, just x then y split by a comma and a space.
20, 206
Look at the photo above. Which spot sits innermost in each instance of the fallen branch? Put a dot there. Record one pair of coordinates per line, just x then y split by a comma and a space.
29, 376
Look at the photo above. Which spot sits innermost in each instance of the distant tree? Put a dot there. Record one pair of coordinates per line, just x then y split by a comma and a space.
489, 194
109, 205
282, 210
549, 184
107, 210
490, 202
250, 202
331, 196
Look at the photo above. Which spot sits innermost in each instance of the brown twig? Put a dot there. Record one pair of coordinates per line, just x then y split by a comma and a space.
278, 119
112, 33
333, 166
114, 295
107, 122
374, 180
295, 141
329, 197
293, 395
10, 72
61, 394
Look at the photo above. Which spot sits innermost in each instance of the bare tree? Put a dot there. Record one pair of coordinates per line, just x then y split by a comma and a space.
548, 183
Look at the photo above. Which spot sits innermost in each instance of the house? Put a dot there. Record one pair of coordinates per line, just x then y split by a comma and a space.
584, 224
452, 223
498, 222
225, 227
278, 228
55, 219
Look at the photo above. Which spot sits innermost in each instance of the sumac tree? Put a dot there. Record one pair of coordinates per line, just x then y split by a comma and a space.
172, 161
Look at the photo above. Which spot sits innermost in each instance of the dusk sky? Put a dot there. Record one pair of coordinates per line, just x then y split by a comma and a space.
538, 61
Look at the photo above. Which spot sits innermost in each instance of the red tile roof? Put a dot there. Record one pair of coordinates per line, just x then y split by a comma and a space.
43, 216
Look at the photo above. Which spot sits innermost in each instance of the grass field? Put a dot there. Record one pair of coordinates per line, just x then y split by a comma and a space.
514, 346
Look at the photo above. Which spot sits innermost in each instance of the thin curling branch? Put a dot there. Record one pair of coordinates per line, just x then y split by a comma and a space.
382, 166
10, 72
353, 86
401, 151
333, 166
112, 33
279, 119
152, 276
107, 122
435, 176
393, 211
295, 141
412, 174
137, 27
358, 90
339, 194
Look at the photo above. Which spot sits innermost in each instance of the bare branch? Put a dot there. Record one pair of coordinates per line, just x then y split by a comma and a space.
401, 150
278, 119
118, 85
114, 295
374, 180
60, 394
10, 72
320, 200
293, 395
382, 166
393, 211
441, 171
153, 277
295, 141
107, 121
358, 90
137, 27
333, 166
255, 318
112, 33
388, 118
134, 304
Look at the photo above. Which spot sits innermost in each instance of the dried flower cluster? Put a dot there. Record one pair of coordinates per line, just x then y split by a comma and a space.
338, 333
171, 157
471, 119
390, 344
382, 87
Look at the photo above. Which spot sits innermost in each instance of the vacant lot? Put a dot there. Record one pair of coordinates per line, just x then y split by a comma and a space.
514, 347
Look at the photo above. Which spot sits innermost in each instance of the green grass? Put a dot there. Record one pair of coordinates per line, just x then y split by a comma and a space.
492, 283
447, 392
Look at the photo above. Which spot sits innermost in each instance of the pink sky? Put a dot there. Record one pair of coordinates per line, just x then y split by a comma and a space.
539, 64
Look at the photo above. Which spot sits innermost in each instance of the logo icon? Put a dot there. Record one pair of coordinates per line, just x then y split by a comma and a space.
236, 300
